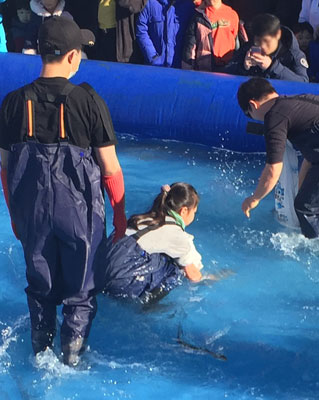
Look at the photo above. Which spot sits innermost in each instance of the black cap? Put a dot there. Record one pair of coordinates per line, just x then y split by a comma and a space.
59, 35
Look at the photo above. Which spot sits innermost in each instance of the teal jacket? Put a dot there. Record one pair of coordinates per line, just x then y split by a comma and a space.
3, 40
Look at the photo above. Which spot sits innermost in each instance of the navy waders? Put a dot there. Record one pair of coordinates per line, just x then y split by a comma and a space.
132, 272
57, 204
307, 203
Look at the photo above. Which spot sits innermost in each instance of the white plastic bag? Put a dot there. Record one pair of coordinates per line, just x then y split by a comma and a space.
287, 189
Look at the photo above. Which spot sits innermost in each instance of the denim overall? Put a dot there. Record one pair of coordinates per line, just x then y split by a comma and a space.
132, 272
57, 204
307, 200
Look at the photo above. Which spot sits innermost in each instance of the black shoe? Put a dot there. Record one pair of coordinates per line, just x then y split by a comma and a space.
41, 340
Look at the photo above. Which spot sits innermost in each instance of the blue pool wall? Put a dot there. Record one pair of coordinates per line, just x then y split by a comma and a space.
189, 106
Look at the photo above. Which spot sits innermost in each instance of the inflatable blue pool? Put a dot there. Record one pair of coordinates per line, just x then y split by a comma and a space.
263, 318
161, 103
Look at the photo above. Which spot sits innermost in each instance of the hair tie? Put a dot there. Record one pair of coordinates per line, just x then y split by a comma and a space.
166, 188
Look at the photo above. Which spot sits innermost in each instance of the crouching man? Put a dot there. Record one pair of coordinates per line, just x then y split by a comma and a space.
295, 118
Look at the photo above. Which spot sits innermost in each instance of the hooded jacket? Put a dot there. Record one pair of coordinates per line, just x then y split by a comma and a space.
127, 49
39, 14
310, 12
288, 61
85, 14
160, 31
199, 51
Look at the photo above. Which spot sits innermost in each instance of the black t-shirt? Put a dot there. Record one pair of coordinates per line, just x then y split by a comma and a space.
83, 123
295, 118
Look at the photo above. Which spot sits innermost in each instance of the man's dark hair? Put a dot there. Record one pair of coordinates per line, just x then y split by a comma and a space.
303, 26
265, 25
52, 58
254, 89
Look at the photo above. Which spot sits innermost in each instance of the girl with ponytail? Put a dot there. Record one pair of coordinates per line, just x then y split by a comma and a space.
156, 252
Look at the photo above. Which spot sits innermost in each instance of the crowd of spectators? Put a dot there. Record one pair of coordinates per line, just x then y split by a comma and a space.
276, 39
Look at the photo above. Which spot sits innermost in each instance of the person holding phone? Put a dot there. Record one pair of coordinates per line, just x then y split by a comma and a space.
274, 53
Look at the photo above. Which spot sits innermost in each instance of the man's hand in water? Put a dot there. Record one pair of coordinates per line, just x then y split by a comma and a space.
267, 182
249, 204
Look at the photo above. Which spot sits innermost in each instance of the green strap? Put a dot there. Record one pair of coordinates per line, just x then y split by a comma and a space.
179, 220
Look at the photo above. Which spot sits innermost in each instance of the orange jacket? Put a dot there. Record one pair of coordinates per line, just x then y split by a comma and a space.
211, 38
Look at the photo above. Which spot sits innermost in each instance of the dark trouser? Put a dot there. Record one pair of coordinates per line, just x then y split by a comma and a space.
58, 207
106, 45
132, 272
307, 204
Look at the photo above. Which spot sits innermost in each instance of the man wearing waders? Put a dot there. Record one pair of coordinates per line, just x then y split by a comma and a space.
53, 187
293, 118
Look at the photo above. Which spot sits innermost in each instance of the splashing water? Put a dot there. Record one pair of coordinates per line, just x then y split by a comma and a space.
263, 318
301, 249
295, 245
9, 335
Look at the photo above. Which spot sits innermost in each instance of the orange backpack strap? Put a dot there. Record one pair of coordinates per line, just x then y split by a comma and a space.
62, 101
30, 98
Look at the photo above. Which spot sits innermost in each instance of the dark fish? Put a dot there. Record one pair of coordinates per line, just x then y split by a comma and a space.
220, 357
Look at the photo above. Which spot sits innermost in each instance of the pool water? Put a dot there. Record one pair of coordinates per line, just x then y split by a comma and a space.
263, 318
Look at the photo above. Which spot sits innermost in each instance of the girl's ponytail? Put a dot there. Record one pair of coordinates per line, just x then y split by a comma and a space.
172, 197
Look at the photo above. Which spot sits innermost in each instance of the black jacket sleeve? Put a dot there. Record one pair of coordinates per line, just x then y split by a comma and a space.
236, 65
134, 6
297, 71
189, 51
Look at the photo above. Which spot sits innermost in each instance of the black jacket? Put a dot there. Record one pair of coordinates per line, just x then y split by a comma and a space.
288, 62
85, 13
127, 49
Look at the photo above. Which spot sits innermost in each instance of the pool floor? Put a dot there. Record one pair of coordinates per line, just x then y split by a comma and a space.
263, 318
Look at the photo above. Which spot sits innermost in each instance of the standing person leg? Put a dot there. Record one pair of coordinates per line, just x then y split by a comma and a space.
79, 224
42, 274
83, 263
307, 204
30, 209
106, 45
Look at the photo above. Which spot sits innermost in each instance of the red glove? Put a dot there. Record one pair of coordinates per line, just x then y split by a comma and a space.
114, 186
4, 180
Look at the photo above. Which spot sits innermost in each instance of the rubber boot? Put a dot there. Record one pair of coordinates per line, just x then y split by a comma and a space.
72, 349
41, 340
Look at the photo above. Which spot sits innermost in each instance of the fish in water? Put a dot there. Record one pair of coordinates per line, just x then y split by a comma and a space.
190, 346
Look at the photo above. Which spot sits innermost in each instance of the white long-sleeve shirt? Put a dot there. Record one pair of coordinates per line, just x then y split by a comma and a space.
310, 12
